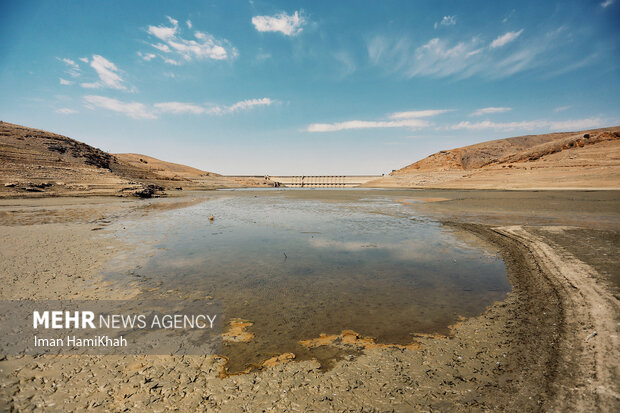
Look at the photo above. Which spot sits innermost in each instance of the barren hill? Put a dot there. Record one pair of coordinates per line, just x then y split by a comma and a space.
164, 169
587, 159
35, 162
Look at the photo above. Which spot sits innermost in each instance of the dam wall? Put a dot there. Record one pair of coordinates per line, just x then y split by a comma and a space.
317, 181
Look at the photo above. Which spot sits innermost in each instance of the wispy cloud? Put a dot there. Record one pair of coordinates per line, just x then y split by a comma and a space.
147, 56
446, 21
561, 109
66, 111
177, 49
134, 110
109, 75
180, 107
290, 25
72, 68
65, 82
248, 104
418, 113
137, 110
566, 125
489, 111
347, 64
410, 119
363, 124
508, 16
607, 3
465, 58
505, 39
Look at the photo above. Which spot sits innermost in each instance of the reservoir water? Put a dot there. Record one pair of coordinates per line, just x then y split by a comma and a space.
298, 263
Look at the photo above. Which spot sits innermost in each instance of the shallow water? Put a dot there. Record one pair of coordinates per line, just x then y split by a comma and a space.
301, 263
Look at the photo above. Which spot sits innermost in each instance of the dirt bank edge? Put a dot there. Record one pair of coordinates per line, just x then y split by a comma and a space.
564, 326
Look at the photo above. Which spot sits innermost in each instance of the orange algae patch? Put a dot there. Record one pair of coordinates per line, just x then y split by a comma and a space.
281, 359
236, 331
353, 339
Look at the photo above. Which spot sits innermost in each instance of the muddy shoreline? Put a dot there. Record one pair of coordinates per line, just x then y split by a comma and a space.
526, 353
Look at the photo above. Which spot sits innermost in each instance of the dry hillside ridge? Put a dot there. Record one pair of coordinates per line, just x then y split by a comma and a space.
568, 160
164, 169
517, 149
35, 162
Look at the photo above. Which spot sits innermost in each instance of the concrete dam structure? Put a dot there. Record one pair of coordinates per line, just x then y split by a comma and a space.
322, 181
318, 181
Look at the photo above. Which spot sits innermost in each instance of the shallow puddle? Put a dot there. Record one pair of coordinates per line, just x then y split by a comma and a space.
300, 263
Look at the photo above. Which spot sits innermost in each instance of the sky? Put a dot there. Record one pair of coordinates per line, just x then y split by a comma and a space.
307, 87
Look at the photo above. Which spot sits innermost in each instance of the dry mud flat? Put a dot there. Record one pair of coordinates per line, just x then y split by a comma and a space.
535, 351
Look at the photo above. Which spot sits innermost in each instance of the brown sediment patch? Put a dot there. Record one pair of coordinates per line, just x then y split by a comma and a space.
236, 331
271, 362
349, 338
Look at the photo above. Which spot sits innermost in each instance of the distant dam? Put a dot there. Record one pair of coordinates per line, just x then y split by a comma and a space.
317, 181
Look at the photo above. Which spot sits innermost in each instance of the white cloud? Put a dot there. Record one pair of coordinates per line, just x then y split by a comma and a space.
171, 62
249, 104
418, 114
134, 110
409, 119
65, 82
139, 110
189, 24
147, 56
439, 58
162, 47
289, 25
73, 69
489, 111
66, 111
179, 107
84, 59
362, 124
108, 75
164, 32
505, 39
71, 63
568, 125
465, 58
446, 21
203, 46
607, 3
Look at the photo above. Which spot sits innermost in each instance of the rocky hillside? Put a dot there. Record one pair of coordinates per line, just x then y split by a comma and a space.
571, 160
166, 170
518, 149
35, 162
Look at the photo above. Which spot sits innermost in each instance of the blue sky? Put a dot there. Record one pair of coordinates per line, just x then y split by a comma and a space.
313, 87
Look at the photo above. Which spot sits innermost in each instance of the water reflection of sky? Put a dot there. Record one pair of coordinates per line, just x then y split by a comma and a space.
301, 267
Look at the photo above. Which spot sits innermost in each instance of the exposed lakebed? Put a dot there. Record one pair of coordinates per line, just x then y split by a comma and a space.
298, 263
